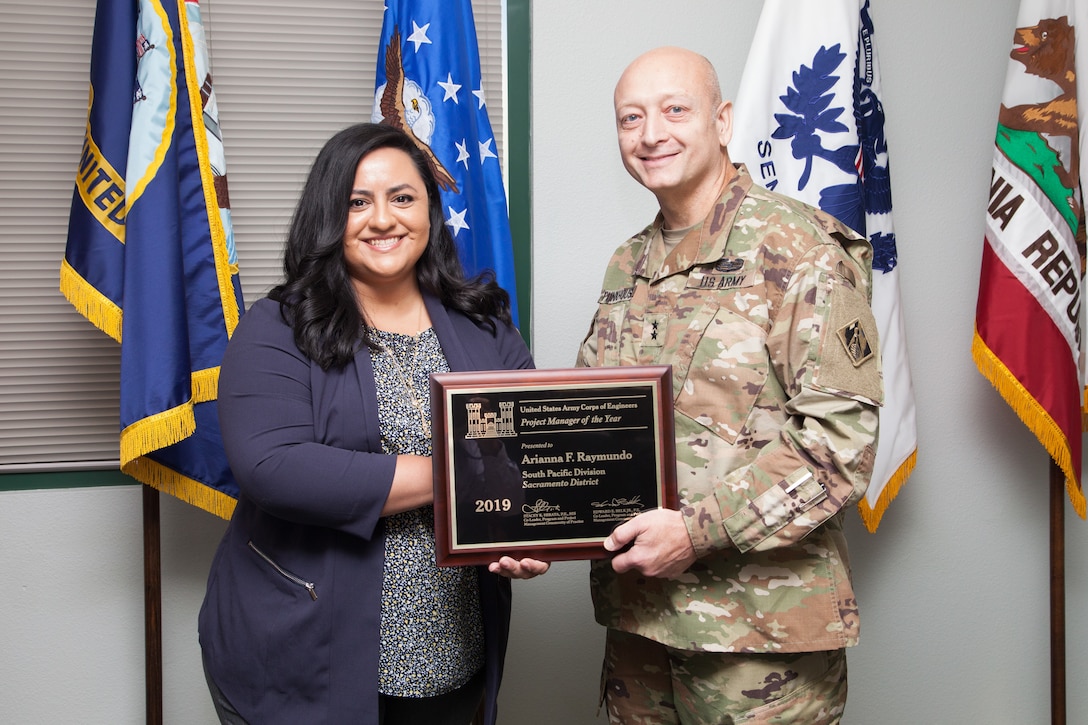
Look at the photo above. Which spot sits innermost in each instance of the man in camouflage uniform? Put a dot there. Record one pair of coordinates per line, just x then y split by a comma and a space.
738, 607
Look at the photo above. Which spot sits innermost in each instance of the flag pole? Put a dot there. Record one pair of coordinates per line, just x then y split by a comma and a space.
152, 606
1057, 594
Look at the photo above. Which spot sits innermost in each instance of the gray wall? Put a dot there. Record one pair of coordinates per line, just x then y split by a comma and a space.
954, 585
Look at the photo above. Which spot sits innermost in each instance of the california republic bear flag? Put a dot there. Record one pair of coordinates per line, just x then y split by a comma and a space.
1028, 324
809, 123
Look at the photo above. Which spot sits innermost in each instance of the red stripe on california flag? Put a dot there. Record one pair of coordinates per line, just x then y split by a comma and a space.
1015, 327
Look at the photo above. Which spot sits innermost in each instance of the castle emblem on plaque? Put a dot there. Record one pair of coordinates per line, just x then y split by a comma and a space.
484, 422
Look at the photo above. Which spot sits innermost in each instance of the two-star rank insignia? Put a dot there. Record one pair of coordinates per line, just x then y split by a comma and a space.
653, 332
856, 342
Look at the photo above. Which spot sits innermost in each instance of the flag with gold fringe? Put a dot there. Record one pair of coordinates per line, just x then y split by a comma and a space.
809, 124
150, 255
429, 84
1028, 339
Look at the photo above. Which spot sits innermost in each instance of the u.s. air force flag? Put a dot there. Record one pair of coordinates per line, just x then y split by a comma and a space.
810, 124
1029, 326
429, 84
150, 256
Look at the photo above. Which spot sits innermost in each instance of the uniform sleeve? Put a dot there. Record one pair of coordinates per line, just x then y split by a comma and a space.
266, 413
587, 353
823, 351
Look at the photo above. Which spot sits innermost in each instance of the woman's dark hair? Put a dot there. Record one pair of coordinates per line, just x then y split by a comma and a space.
317, 297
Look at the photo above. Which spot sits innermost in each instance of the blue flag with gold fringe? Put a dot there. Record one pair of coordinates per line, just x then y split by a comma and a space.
150, 255
429, 84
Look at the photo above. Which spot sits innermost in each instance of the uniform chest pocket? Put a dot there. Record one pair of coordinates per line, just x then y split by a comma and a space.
724, 373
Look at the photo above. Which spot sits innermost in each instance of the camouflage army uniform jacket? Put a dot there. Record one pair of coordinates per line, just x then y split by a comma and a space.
763, 312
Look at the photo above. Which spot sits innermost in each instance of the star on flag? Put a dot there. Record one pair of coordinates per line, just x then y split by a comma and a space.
412, 91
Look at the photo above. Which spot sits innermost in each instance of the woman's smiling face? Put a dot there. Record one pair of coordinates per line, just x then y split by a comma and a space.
388, 221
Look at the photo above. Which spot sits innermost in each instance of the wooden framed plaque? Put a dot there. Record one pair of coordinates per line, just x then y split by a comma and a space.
545, 463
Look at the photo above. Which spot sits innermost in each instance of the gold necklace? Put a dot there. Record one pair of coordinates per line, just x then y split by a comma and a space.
409, 384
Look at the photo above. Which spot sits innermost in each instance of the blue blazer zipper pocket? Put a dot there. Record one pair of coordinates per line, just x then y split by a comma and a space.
308, 586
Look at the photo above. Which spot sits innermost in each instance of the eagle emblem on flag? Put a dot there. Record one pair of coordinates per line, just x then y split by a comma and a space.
404, 105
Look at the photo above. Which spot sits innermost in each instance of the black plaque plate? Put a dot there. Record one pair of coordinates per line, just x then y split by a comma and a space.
545, 463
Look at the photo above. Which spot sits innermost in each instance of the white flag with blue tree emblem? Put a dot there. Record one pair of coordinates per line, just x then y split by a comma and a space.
809, 123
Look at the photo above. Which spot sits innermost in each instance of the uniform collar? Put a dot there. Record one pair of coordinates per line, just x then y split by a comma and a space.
704, 244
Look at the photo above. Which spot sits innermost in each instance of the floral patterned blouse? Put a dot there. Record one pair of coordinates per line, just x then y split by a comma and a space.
432, 638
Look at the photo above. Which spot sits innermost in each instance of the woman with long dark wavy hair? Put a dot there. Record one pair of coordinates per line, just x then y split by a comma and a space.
324, 603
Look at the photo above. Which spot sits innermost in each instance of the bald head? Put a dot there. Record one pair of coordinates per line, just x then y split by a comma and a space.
686, 67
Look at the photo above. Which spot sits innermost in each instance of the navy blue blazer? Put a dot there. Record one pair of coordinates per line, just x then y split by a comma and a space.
289, 624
